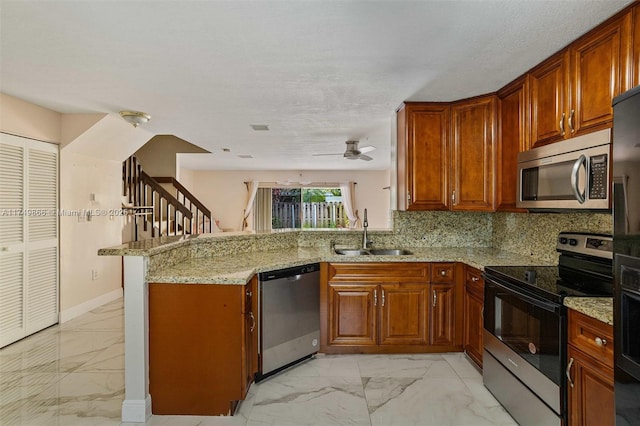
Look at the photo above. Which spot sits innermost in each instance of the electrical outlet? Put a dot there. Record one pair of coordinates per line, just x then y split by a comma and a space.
94, 274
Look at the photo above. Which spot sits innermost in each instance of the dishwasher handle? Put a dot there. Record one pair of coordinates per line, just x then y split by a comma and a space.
294, 277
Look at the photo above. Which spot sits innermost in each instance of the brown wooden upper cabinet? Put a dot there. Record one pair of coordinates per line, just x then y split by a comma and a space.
571, 92
635, 63
423, 156
473, 154
514, 138
446, 155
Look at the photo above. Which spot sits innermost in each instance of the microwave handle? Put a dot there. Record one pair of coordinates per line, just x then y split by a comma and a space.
574, 178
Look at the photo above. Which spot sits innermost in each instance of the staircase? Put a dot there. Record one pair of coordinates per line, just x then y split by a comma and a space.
156, 209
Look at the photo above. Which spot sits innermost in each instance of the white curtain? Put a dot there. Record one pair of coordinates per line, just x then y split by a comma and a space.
347, 190
262, 210
252, 187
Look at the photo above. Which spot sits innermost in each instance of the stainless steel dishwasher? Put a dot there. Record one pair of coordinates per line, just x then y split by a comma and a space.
289, 317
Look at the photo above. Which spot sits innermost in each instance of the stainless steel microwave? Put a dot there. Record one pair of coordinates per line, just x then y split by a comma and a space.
569, 175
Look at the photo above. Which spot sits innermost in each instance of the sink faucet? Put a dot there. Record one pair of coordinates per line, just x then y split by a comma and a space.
365, 237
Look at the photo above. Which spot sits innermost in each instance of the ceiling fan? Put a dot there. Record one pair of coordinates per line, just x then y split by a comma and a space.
353, 153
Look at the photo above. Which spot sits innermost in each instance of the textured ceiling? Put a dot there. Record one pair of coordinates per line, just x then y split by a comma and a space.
317, 72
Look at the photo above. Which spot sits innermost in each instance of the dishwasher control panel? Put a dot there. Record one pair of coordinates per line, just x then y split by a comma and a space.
288, 272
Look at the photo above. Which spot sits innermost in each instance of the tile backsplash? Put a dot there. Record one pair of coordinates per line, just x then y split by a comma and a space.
443, 229
528, 234
534, 234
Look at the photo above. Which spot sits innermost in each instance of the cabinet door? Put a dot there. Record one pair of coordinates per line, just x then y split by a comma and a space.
352, 314
427, 157
403, 313
635, 60
597, 61
473, 311
196, 366
442, 321
549, 100
591, 398
250, 349
513, 138
473, 154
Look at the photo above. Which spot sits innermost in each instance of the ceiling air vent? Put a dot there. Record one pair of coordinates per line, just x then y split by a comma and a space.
245, 156
260, 127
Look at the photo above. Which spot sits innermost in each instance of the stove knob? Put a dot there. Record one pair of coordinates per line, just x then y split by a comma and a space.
573, 242
563, 240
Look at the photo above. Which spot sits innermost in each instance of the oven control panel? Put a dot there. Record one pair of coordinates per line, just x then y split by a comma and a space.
598, 245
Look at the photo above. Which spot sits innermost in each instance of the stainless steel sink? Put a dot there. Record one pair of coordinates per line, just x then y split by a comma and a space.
373, 252
389, 252
352, 252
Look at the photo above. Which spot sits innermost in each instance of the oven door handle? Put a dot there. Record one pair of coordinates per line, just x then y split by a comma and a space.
551, 307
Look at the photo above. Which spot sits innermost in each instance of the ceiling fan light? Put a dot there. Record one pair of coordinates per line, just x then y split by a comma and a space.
135, 118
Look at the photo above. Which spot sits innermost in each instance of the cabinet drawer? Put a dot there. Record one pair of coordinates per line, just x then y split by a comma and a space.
442, 272
591, 336
474, 284
379, 271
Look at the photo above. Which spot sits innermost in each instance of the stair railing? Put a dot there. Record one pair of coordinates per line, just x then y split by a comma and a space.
167, 210
201, 215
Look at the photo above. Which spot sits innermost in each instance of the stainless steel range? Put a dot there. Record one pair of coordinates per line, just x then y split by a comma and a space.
525, 329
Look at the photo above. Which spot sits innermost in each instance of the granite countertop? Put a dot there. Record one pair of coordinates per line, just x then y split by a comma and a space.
239, 268
600, 308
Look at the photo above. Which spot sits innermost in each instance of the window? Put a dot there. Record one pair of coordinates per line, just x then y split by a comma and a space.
300, 208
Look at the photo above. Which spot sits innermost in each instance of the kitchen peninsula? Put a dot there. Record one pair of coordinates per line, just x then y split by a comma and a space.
234, 259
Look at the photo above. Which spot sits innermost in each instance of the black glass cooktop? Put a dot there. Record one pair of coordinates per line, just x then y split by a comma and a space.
554, 282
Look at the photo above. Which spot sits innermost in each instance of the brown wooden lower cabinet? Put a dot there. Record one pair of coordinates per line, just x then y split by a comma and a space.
442, 326
473, 311
390, 307
202, 347
590, 368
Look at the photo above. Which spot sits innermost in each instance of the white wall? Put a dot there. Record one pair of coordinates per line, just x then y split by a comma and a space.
80, 239
225, 193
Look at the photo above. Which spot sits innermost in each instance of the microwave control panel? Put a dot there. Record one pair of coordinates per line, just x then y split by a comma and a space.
598, 177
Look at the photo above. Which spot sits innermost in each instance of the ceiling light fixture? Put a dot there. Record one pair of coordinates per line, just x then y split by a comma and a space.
135, 117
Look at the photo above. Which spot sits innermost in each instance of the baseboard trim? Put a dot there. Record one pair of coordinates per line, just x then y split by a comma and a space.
136, 410
83, 308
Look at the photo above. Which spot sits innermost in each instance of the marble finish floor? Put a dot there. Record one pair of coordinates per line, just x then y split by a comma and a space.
73, 374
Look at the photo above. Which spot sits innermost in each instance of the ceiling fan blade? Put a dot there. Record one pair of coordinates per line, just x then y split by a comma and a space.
320, 155
364, 157
366, 149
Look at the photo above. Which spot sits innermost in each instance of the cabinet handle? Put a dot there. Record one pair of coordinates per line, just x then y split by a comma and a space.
382, 298
249, 293
375, 297
482, 312
253, 322
435, 298
475, 279
571, 117
453, 197
408, 198
443, 273
568, 372
562, 132
601, 342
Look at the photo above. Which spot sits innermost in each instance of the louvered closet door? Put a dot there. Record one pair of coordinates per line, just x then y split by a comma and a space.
12, 266
28, 237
